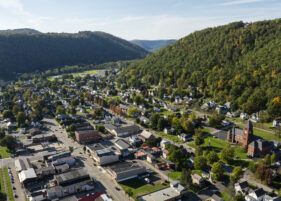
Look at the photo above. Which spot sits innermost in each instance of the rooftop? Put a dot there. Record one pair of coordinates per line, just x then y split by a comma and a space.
123, 167
164, 194
69, 176
121, 144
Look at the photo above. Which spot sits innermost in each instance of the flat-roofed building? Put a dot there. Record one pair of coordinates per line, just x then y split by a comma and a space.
174, 192
27, 176
87, 136
126, 170
70, 183
102, 155
22, 164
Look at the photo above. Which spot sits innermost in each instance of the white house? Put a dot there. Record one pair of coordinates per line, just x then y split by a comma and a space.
256, 195
242, 188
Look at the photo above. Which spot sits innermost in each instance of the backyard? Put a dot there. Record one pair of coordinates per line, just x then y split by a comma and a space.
173, 138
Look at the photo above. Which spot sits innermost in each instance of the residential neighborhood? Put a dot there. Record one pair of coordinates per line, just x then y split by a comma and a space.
87, 139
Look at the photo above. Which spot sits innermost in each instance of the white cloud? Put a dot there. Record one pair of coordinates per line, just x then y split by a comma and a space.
238, 2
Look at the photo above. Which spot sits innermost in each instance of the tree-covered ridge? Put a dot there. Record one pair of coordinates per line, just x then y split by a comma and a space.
20, 53
238, 62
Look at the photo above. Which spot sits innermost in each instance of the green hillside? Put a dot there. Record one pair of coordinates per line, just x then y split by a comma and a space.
238, 62
20, 52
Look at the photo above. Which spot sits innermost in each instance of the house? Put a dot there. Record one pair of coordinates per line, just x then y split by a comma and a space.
169, 130
134, 140
145, 135
102, 155
140, 155
125, 131
123, 146
242, 188
165, 153
197, 179
184, 137
87, 136
150, 158
255, 195
126, 170
27, 176
172, 193
69, 183
244, 116
144, 120
163, 143
276, 123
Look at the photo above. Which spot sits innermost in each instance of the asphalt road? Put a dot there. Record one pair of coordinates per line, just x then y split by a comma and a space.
108, 184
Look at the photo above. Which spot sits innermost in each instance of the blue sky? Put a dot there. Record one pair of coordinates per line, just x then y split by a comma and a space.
133, 19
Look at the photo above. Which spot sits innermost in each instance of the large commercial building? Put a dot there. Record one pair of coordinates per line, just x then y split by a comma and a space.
126, 170
87, 136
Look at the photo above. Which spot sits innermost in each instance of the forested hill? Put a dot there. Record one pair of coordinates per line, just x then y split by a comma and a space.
20, 31
153, 45
238, 62
21, 53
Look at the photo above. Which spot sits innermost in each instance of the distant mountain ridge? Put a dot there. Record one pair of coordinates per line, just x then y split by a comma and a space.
153, 45
22, 52
20, 31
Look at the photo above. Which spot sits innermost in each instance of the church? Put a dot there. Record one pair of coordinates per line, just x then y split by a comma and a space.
256, 147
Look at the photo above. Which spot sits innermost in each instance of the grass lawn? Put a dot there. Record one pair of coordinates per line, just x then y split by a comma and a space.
176, 175
217, 145
206, 130
2, 182
4, 152
173, 138
199, 172
139, 187
9, 190
266, 135
224, 196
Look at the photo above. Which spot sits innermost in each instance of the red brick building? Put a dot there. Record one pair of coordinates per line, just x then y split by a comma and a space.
255, 146
243, 136
87, 136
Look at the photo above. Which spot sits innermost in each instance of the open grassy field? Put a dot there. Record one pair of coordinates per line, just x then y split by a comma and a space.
4, 152
9, 190
139, 187
90, 72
